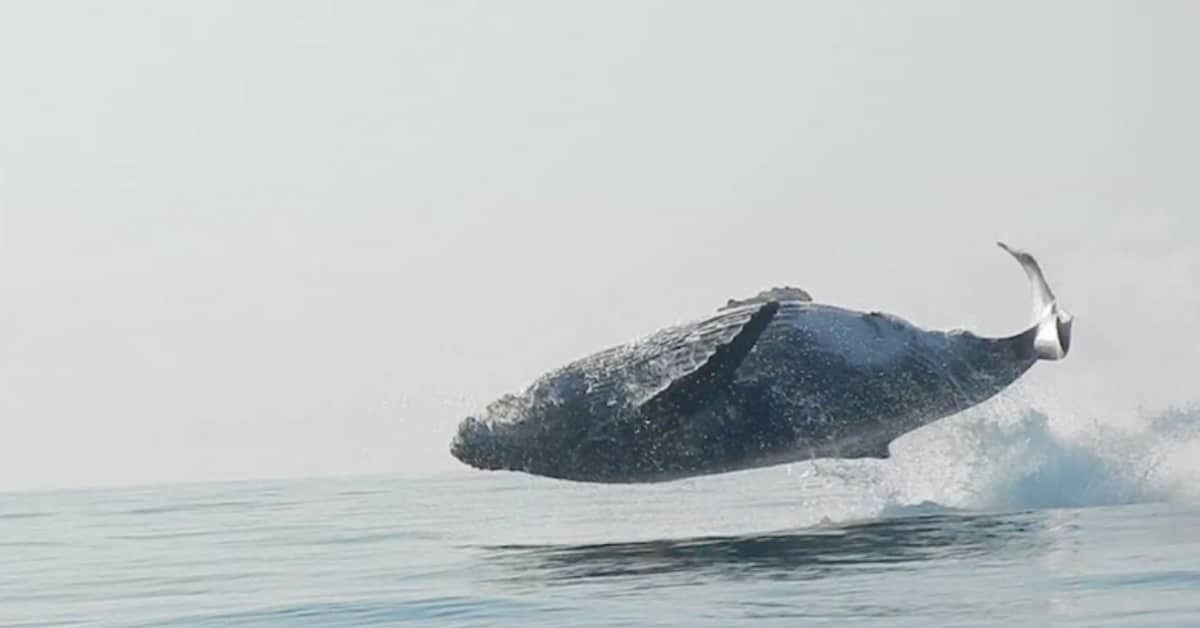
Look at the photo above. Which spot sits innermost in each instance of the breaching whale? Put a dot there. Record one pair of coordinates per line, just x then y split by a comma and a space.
772, 379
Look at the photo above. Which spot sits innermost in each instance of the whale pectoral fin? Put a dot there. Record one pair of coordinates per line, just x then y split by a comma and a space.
688, 392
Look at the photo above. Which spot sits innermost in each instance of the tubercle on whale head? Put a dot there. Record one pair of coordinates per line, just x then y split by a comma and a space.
476, 444
486, 440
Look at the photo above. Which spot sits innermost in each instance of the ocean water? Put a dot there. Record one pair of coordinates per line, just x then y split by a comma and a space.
1001, 518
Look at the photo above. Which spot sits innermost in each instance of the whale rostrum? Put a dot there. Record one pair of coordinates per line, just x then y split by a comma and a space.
771, 379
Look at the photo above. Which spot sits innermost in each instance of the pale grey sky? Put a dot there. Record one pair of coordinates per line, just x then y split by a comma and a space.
247, 239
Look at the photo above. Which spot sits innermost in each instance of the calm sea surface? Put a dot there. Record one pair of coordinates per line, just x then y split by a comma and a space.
1031, 530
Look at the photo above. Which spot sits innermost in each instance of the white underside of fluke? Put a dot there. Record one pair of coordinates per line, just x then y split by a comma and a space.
1052, 340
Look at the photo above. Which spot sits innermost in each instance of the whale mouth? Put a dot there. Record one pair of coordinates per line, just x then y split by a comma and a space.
477, 444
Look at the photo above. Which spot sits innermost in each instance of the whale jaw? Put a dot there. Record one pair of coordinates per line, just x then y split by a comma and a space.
478, 444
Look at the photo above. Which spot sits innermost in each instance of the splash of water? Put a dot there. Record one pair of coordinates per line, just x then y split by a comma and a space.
1001, 460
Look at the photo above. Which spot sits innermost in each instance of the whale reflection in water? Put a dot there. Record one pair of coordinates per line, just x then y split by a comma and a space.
804, 554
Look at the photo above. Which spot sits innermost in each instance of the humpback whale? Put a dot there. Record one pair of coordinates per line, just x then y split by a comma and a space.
767, 380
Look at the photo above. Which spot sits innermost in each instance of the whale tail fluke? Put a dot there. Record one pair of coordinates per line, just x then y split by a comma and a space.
1052, 340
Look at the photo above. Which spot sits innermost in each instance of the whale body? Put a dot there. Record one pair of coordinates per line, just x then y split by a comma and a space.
772, 379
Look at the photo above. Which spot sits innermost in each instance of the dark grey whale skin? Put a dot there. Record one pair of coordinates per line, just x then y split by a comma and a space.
763, 382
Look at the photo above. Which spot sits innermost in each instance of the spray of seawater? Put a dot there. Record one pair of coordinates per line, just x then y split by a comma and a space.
1007, 458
